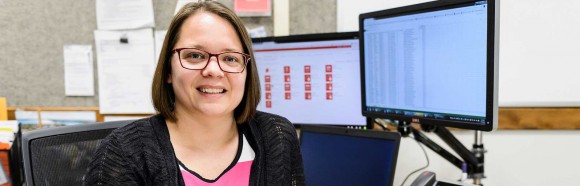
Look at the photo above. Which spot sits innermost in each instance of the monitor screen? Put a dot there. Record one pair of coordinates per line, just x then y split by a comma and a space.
311, 79
335, 156
433, 63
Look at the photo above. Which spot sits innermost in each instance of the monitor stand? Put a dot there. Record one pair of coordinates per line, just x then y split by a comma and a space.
428, 178
472, 159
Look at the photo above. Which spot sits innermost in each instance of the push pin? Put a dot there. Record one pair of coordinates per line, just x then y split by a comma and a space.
124, 39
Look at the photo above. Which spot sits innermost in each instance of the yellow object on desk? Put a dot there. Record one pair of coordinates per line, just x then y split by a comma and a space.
3, 109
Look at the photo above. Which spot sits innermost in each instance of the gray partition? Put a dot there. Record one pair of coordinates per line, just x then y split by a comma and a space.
308, 16
32, 35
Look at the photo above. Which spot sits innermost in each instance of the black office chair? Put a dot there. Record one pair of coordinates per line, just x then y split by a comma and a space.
60, 155
15, 160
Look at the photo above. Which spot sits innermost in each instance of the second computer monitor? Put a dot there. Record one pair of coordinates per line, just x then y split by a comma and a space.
311, 79
433, 63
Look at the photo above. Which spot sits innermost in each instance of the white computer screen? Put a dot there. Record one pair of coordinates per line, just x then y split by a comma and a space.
311, 82
430, 64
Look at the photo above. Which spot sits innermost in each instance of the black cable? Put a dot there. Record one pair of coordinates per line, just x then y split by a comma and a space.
426, 157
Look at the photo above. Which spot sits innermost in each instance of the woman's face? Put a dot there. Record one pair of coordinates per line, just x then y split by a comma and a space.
210, 91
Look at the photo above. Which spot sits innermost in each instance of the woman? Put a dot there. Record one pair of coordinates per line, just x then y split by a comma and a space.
208, 131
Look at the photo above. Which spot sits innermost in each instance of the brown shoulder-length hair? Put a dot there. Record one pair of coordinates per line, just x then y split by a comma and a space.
162, 92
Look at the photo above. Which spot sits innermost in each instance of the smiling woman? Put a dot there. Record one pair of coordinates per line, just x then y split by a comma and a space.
208, 131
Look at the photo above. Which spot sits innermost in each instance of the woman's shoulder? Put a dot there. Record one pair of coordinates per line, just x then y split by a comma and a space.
133, 126
129, 155
139, 129
272, 124
265, 118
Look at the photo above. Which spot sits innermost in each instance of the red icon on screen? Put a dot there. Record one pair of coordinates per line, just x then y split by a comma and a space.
329, 86
287, 95
286, 78
287, 87
268, 87
329, 95
268, 95
307, 69
268, 104
286, 69
307, 78
307, 87
328, 68
328, 77
267, 78
308, 95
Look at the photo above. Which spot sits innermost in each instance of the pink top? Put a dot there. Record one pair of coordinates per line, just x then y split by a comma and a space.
238, 174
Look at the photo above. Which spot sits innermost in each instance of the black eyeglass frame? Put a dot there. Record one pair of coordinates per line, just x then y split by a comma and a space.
246, 58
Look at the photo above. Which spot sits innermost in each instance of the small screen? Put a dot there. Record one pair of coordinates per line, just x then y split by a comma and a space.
311, 82
331, 159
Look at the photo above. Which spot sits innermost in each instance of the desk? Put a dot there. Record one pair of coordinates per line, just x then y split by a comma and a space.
100, 117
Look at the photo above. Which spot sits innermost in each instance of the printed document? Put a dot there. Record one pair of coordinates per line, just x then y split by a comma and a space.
78, 70
125, 14
125, 62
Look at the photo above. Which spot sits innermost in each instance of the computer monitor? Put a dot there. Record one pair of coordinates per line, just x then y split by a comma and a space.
433, 63
311, 79
342, 156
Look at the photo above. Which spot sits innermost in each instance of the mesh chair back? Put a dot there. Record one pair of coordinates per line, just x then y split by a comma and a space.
61, 155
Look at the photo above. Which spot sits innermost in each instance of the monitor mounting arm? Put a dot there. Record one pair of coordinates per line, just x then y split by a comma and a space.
473, 159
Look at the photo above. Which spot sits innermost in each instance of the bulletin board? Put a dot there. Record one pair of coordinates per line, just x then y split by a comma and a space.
33, 34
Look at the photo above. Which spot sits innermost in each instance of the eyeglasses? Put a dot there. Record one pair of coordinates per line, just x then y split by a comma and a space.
196, 59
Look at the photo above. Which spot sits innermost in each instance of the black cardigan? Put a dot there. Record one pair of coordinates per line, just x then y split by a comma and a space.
141, 154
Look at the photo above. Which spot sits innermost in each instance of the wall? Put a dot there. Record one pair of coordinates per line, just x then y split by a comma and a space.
521, 157
32, 35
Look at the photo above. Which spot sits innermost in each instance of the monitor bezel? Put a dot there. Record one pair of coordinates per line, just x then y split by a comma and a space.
492, 72
315, 38
308, 37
